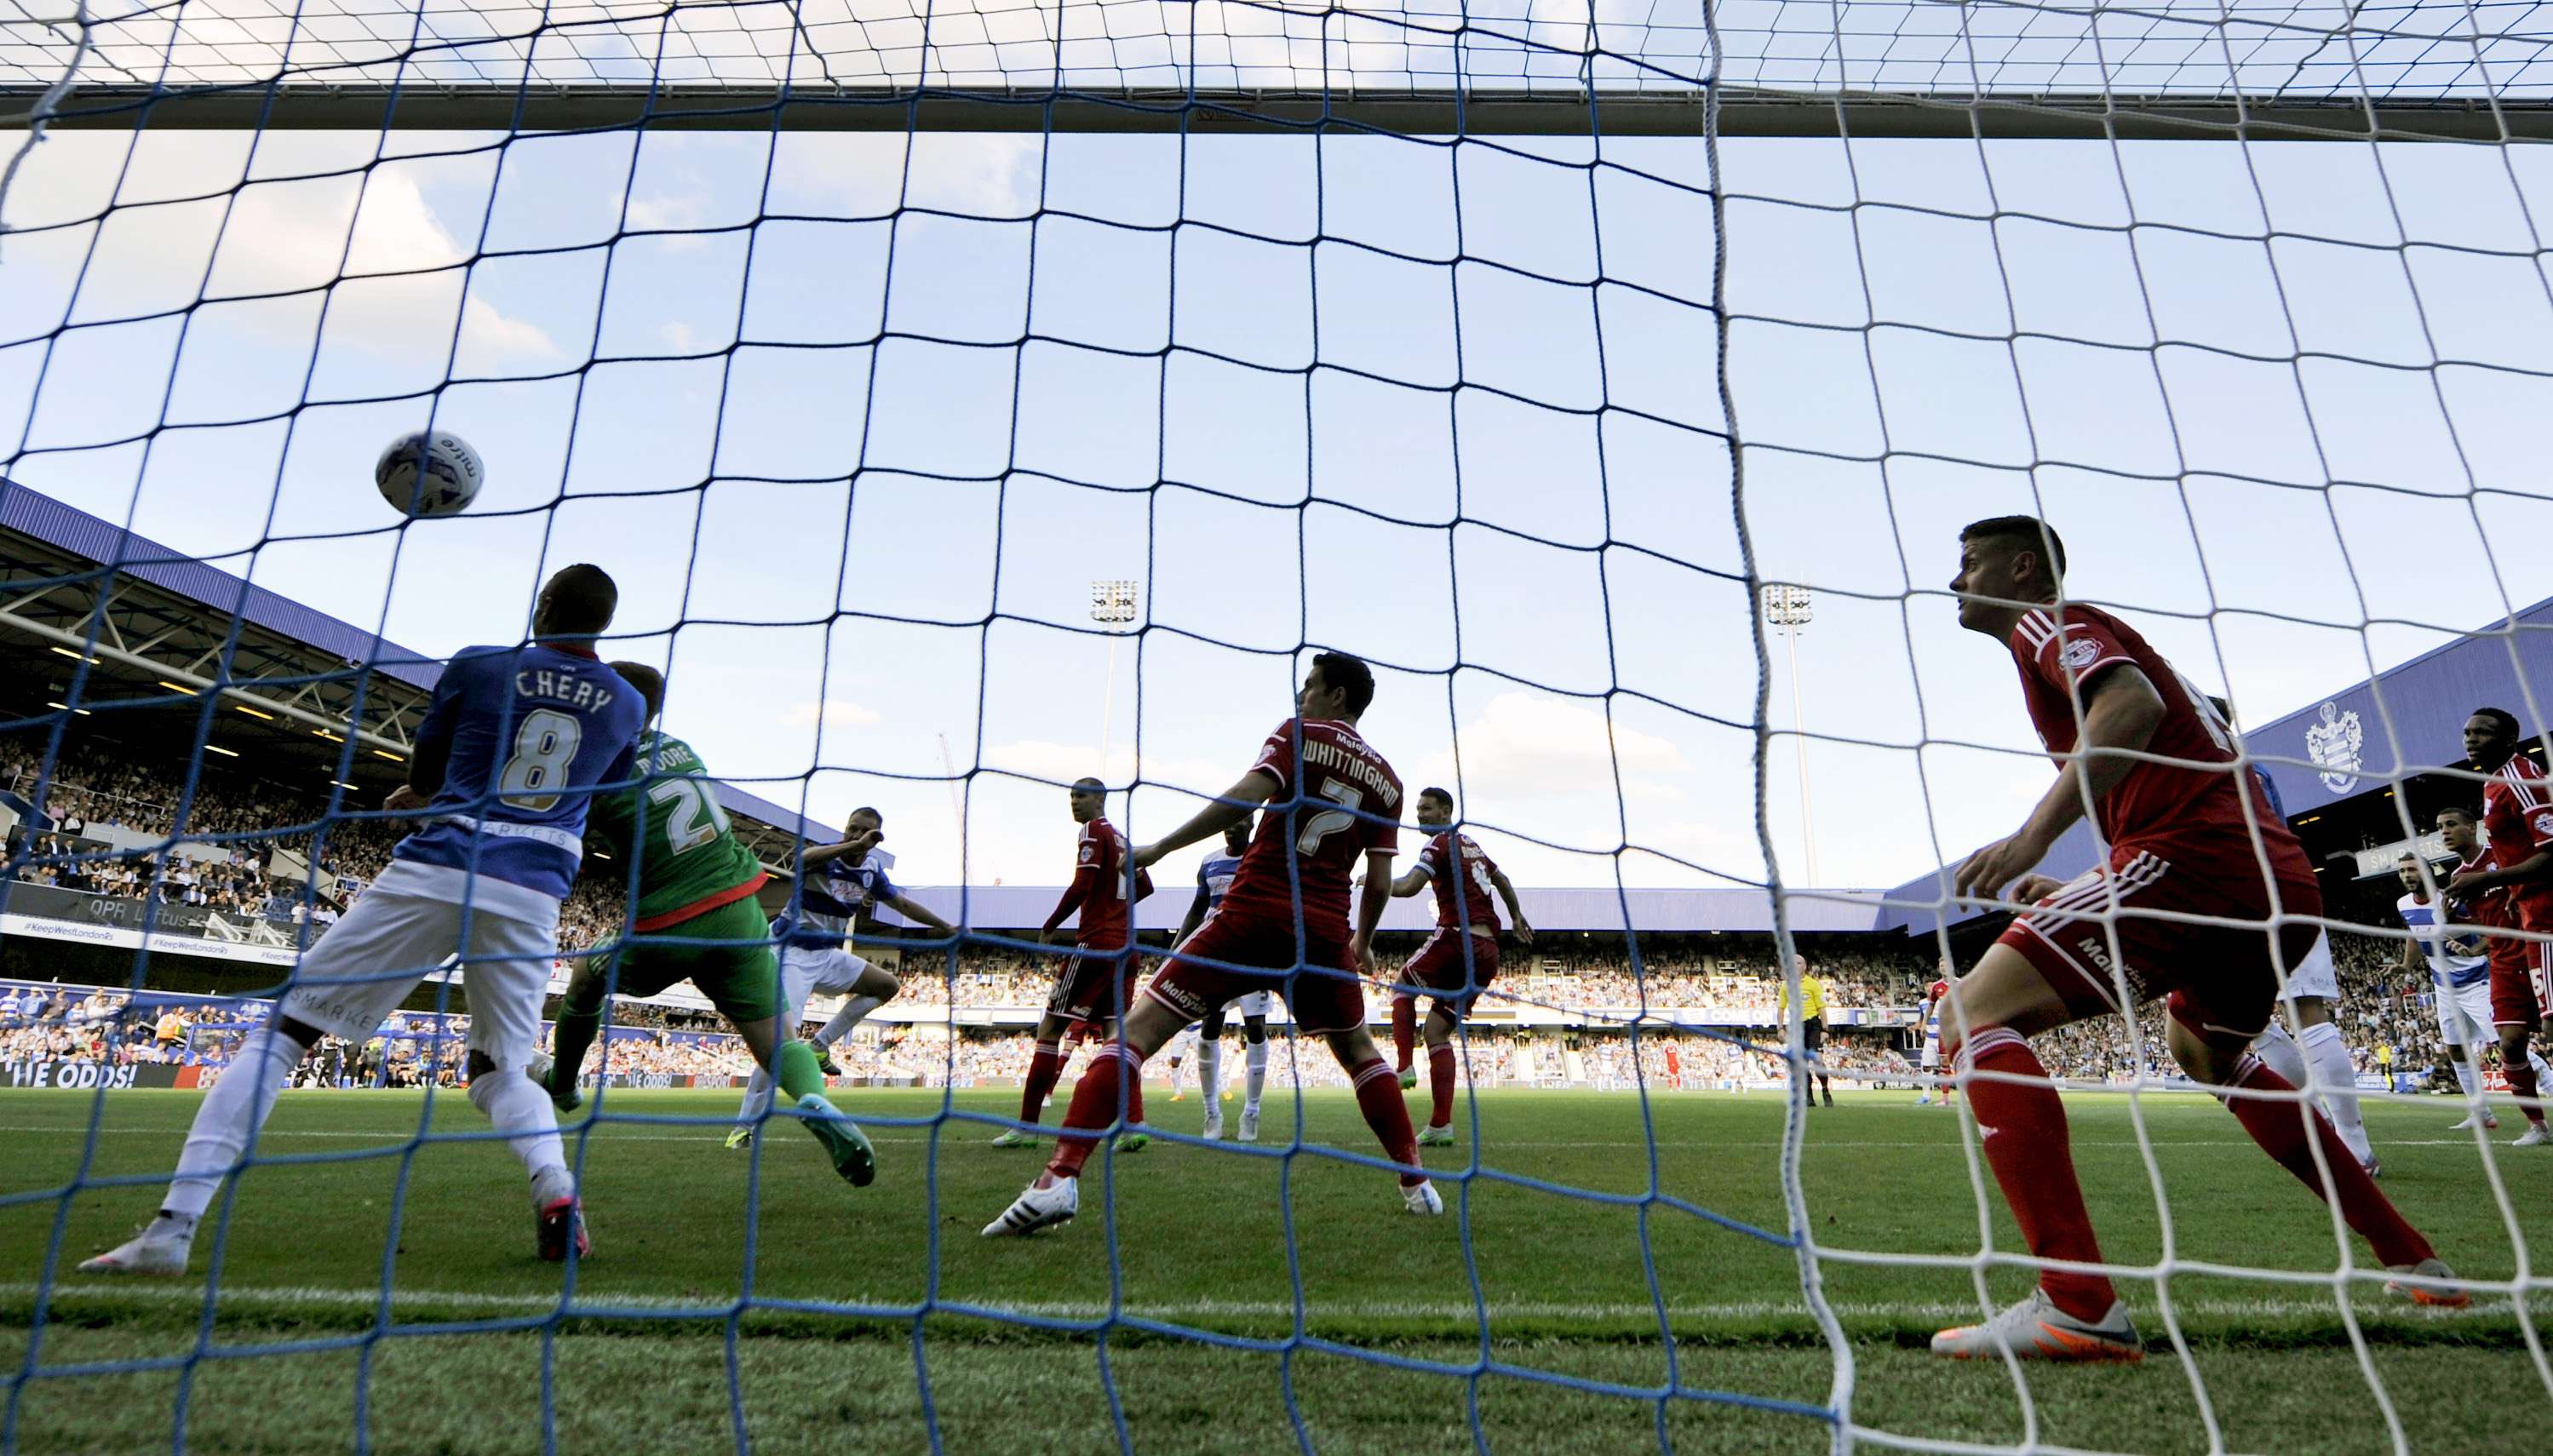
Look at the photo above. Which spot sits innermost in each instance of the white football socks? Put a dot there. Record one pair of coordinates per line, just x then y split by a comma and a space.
2466, 1078
1210, 1068
854, 1011
758, 1098
520, 1108
1254, 1061
233, 1111
2335, 1081
2280, 1052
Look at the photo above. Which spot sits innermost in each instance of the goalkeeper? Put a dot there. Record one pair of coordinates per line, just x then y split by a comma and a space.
696, 884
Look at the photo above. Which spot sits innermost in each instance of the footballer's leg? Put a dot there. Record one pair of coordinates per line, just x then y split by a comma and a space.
800, 967
1046, 1068
874, 988
2020, 1123
1404, 1036
350, 979
742, 977
1440, 1028
507, 972
580, 1020
2292, 1130
1209, 1058
1254, 1061
1100, 1100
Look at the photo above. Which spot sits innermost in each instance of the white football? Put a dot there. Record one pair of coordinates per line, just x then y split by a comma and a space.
429, 474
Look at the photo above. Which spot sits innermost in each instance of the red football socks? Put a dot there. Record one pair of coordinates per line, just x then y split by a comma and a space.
1094, 1106
1045, 1066
2023, 1126
2521, 1085
2279, 1129
1404, 1030
1378, 1093
1440, 1084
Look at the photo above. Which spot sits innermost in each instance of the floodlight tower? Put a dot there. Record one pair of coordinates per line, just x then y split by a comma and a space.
1788, 610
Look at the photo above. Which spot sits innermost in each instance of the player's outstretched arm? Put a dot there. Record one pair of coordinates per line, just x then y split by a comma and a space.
1231, 807
1515, 911
811, 856
2121, 711
1410, 883
905, 906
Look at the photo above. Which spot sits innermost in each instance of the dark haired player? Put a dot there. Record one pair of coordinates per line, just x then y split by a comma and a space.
1089, 985
2180, 826
1457, 962
2516, 891
1332, 801
513, 745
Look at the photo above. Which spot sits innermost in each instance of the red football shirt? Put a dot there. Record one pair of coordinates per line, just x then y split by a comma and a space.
1476, 892
1107, 917
2490, 906
2194, 807
2518, 815
1314, 840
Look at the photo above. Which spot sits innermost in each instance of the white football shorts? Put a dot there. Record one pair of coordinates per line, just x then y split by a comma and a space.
2464, 1013
2315, 975
360, 970
806, 971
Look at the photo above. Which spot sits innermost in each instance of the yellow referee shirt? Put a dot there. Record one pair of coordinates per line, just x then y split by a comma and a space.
1812, 998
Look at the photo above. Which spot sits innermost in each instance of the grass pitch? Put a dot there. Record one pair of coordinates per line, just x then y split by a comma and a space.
1261, 1303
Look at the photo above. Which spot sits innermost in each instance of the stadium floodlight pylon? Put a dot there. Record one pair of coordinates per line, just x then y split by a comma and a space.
2423, 68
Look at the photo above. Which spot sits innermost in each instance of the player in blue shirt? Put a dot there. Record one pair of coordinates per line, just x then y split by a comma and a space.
1214, 877
513, 746
835, 884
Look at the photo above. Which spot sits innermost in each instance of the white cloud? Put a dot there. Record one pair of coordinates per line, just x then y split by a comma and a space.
837, 713
1528, 743
398, 266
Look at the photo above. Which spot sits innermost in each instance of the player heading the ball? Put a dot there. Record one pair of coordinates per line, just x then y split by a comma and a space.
513, 745
1331, 803
2182, 841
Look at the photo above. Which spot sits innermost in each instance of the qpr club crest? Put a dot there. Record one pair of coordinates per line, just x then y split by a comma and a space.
2333, 745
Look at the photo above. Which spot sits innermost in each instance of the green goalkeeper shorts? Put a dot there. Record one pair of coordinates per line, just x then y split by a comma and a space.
741, 979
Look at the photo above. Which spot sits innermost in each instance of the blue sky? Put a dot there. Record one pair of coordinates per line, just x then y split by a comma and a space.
2296, 449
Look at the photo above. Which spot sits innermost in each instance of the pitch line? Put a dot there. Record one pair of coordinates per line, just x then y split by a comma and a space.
970, 1129
592, 1305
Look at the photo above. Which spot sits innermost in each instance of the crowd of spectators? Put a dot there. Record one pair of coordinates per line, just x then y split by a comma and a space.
103, 1025
248, 843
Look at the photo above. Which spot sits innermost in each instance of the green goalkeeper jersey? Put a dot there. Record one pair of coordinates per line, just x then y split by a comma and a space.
690, 862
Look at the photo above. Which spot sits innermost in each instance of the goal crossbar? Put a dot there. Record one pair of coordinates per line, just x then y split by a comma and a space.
1756, 112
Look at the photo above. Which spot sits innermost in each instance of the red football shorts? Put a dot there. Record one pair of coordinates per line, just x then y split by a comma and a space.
2518, 988
1438, 967
1322, 989
1091, 988
2221, 979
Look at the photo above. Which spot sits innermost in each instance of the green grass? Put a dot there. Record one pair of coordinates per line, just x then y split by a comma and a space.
1199, 1245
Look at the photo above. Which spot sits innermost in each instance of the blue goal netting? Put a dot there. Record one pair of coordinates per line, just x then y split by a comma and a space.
970, 400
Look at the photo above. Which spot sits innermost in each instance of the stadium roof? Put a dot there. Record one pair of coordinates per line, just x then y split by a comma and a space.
67, 581
2368, 737
1653, 912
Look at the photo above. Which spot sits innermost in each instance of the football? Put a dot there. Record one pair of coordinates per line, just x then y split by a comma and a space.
429, 473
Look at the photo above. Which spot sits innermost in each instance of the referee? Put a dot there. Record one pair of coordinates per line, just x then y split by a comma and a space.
1813, 1025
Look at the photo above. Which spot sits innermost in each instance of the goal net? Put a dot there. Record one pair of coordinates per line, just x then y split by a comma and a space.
969, 398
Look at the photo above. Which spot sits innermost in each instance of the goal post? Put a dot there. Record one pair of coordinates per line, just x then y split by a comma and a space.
862, 426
